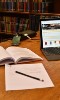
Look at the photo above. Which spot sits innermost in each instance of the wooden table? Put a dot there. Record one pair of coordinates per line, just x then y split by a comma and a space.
52, 67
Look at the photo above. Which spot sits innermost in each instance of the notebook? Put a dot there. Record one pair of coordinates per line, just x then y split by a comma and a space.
50, 38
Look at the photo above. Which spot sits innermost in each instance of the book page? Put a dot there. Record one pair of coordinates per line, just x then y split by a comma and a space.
4, 56
3, 53
16, 81
19, 53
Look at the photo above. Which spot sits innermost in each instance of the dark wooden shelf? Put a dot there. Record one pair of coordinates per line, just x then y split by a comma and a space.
17, 12
52, 9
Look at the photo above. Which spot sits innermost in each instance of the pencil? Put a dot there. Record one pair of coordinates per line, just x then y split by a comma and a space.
28, 75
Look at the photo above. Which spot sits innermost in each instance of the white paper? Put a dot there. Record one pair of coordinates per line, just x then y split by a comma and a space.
15, 81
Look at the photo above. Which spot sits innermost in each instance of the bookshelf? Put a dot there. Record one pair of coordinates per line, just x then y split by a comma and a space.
20, 15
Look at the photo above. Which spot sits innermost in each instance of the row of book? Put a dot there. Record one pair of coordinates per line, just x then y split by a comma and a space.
24, 5
12, 25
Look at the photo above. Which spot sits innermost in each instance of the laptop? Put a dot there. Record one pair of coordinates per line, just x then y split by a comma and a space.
50, 38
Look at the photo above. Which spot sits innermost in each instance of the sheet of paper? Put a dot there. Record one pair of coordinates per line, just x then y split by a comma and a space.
15, 81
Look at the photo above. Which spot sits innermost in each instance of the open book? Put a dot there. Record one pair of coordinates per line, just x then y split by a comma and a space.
17, 55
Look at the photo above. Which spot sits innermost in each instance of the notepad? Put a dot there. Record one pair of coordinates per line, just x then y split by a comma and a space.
15, 81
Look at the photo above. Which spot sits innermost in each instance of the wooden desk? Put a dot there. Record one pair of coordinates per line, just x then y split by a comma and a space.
52, 67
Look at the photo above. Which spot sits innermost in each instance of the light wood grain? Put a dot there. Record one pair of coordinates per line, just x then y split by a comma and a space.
52, 67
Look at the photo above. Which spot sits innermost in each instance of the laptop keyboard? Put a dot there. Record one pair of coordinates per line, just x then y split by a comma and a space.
55, 51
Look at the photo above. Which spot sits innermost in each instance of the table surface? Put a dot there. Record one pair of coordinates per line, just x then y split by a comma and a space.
52, 67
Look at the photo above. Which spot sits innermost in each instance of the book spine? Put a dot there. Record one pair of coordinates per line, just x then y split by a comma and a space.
8, 30
32, 22
4, 5
37, 19
21, 5
27, 24
43, 7
2, 24
14, 5
0, 5
39, 3
8, 26
12, 25
18, 5
8, 5
24, 5
20, 25
35, 6
28, 6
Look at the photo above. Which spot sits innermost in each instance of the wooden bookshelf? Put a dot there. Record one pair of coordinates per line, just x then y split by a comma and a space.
26, 11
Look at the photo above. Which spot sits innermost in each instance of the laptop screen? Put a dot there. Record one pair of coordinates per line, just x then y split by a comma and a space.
50, 33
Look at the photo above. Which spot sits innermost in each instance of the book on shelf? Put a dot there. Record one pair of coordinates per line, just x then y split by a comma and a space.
43, 6
37, 19
0, 5
2, 24
34, 22
39, 3
35, 6
16, 55
17, 21
28, 8
12, 25
25, 4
